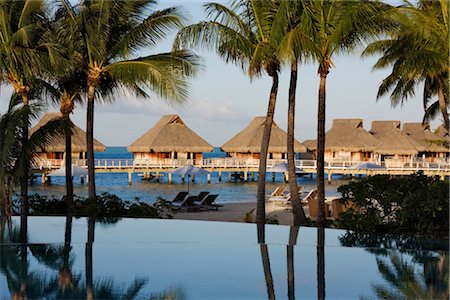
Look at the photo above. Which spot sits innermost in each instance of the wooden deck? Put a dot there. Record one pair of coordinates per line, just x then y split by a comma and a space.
245, 166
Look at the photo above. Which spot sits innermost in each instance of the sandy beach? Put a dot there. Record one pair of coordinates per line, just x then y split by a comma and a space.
236, 212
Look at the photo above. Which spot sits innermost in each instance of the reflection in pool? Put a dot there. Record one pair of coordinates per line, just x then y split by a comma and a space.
69, 258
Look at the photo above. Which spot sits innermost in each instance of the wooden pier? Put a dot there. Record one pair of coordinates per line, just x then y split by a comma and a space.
248, 168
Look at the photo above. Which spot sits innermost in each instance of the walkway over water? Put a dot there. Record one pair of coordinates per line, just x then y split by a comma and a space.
246, 167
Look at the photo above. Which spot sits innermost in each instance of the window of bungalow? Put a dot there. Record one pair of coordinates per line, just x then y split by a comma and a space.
283, 155
270, 155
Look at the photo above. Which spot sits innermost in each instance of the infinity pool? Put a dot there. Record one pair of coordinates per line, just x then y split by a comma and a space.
57, 257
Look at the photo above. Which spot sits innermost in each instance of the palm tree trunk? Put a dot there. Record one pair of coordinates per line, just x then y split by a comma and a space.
320, 262
23, 256
89, 261
261, 194
24, 178
442, 104
321, 150
267, 271
69, 177
67, 241
90, 143
297, 209
293, 233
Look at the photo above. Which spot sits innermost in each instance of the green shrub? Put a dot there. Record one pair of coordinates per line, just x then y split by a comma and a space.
416, 204
106, 205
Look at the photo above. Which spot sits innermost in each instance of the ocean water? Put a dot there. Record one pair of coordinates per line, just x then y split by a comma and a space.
149, 191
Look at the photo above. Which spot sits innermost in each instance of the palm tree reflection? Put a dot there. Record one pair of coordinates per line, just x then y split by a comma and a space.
265, 261
293, 234
320, 262
412, 268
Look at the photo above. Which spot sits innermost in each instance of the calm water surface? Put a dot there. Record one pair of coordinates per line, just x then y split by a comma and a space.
117, 183
144, 258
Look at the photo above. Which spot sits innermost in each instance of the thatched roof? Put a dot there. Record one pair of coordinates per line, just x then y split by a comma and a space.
346, 135
310, 144
170, 134
442, 132
392, 140
423, 135
58, 144
249, 139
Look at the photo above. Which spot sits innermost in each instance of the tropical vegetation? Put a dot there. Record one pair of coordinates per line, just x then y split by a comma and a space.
418, 55
93, 50
416, 204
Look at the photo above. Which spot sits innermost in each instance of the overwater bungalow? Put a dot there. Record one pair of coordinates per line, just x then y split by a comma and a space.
247, 143
432, 146
169, 138
56, 149
394, 147
347, 140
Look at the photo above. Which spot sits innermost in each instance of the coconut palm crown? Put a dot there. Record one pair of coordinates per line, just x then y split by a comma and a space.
417, 54
113, 34
245, 33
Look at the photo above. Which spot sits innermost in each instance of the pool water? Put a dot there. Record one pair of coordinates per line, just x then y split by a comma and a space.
174, 259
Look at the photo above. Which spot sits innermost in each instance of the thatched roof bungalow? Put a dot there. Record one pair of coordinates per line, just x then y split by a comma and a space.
394, 145
247, 143
432, 145
57, 147
170, 138
346, 140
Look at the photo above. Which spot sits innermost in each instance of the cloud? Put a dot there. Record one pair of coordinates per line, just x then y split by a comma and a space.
203, 108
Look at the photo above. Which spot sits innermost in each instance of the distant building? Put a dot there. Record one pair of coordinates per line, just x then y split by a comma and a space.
247, 143
170, 138
57, 147
432, 145
346, 141
394, 147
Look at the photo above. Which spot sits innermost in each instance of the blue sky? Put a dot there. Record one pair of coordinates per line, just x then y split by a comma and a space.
223, 100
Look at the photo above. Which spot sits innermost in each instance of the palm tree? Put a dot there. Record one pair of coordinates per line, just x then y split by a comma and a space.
291, 48
22, 58
67, 86
14, 155
112, 33
244, 34
418, 54
335, 27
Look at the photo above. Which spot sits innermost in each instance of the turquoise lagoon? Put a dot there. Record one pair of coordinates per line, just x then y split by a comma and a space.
117, 183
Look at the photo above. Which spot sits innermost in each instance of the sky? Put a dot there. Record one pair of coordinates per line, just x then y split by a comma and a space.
223, 100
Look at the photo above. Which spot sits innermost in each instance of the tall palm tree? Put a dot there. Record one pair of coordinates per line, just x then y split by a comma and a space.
22, 58
417, 54
291, 48
336, 27
112, 32
66, 86
245, 34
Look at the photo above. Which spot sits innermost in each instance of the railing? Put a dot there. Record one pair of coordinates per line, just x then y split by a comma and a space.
236, 163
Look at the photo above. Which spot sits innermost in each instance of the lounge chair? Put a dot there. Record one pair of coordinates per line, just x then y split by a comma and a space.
208, 202
187, 203
279, 196
313, 209
202, 195
180, 197
309, 195
279, 191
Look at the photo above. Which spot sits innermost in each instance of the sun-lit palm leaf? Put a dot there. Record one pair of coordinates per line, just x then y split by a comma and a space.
150, 32
166, 74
